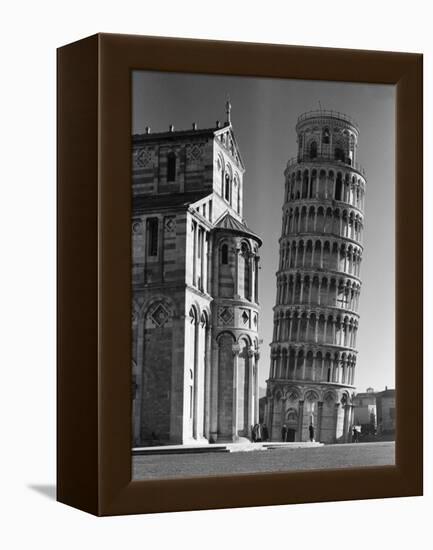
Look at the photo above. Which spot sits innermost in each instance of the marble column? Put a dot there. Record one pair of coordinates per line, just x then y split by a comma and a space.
300, 419
251, 407
251, 277
213, 421
207, 378
235, 351
319, 419
204, 261
256, 388
209, 250
346, 423
194, 253
336, 413
197, 379
256, 287
237, 250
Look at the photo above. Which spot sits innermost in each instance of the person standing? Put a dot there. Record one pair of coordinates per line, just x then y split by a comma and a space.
311, 431
265, 433
284, 433
258, 433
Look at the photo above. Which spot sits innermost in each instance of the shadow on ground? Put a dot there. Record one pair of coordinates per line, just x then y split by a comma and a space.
48, 491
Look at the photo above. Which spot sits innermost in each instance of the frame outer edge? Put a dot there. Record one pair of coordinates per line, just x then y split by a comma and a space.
77, 252
117, 55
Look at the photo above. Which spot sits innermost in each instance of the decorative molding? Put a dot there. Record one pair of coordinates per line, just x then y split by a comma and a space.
170, 224
143, 157
236, 349
137, 227
159, 315
225, 315
194, 153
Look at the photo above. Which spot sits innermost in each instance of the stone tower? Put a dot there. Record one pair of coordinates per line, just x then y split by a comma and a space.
194, 280
313, 352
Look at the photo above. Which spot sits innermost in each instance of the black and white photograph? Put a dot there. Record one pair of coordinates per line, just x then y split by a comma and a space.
263, 253
217, 264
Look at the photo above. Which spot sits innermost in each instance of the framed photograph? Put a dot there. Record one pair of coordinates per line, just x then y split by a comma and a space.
239, 274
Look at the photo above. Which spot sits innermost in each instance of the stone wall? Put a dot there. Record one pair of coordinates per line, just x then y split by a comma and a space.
195, 318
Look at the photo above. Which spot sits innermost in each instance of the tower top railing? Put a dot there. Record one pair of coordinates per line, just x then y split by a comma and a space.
327, 113
324, 158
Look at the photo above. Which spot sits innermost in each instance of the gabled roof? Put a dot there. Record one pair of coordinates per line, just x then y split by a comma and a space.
229, 128
230, 223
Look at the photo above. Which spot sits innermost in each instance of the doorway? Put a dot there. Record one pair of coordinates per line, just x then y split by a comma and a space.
291, 434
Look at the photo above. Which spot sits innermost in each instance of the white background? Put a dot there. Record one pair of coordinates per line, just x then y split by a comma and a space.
30, 33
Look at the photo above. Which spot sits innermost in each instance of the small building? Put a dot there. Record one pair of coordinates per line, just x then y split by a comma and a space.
385, 403
365, 411
374, 412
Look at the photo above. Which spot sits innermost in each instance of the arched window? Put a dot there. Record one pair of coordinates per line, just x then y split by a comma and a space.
339, 154
313, 150
224, 254
338, 187
305, 185
171, 167
220, 167
227, 188
246, 270
300, 143
238, 195
152, 236
325, 136
191, 393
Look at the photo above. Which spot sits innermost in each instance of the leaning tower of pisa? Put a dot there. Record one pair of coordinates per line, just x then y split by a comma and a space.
313, 351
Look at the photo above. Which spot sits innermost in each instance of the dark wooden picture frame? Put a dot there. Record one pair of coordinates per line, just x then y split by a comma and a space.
94, 274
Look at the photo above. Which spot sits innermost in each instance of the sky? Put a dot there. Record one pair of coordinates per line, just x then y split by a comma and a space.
264, 114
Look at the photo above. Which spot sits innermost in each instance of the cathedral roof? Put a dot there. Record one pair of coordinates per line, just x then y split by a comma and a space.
175, 134
229, 222
213, 132
168, 201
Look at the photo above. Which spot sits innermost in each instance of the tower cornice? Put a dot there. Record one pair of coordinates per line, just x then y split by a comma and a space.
318, 272
330, 162
316, 309
306, 236
328, 203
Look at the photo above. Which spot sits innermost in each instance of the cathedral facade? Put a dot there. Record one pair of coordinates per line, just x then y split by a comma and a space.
313, 351
195, 313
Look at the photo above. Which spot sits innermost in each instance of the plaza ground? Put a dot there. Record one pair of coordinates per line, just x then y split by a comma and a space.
349, 455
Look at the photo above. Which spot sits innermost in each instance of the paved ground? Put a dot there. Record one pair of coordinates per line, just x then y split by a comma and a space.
278, 460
